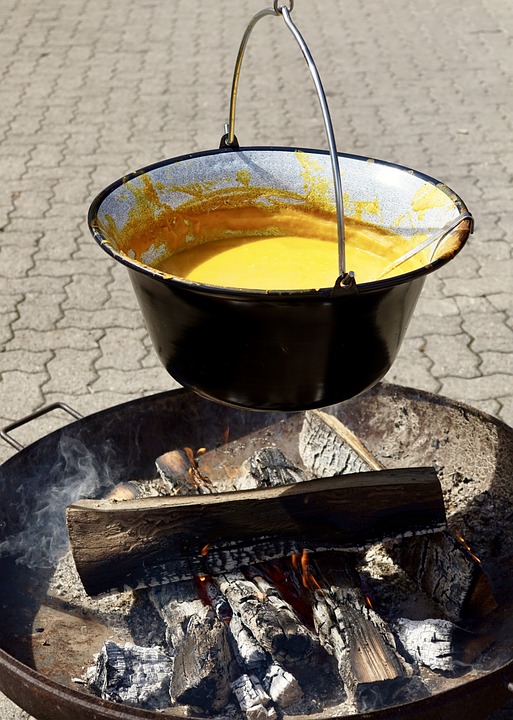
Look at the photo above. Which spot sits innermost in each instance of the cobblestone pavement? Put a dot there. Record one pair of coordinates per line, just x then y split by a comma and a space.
90, 90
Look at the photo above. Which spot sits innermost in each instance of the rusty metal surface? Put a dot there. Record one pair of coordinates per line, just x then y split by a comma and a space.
45, 642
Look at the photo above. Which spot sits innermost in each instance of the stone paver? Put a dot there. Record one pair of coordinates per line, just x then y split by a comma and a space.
91, 89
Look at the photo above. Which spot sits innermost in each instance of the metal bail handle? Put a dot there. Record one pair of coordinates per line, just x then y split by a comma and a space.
229, 139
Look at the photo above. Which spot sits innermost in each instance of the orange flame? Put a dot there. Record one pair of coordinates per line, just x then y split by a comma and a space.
204, 550
459, 536
308, 578
226, 434
188, 451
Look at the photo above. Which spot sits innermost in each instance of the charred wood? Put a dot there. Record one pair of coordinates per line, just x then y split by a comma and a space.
282, 686
431, 642
440, 564
328, 447
202, 663
176, 604
253, 700
144, 542
359, 639
270, 620
133, 675
180, 474
446, 570
269, 467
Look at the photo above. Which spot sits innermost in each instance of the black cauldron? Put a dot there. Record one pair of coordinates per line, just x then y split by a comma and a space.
278, 349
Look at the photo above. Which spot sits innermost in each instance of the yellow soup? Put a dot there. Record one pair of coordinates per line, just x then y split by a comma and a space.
288, 262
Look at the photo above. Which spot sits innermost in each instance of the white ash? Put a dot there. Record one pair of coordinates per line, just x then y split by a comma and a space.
428, 642
132, 674
282, 686
253, 700
112, 610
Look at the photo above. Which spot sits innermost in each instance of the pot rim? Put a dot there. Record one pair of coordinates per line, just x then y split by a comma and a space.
171, 280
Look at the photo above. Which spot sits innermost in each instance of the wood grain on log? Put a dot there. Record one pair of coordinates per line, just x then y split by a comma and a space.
202, 664
328, 447
448, 573
359, 639
141, 542
443, 567
269, 618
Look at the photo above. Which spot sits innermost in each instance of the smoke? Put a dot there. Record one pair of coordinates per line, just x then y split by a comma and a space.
41, 511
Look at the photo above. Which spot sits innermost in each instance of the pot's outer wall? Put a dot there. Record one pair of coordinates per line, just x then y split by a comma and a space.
288, 353
276, 350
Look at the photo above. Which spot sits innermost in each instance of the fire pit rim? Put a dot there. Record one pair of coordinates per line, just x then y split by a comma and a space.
16, 677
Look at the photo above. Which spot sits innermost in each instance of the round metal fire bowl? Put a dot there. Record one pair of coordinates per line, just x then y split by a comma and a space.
45, 641
273, 350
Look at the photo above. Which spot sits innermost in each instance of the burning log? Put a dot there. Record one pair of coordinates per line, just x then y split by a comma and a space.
446, 570
153, 540
328, 447
430, 643
133, 675
201, 669
249, 654
362, 644
179, 470
269, 467
441, 565
253, 700
269, 619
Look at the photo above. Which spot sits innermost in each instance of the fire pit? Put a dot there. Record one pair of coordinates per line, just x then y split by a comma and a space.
51, 629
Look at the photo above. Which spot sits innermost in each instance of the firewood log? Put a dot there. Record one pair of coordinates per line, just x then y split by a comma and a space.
446, 570
442, 566
153, 540
328, 447
179, 470
202, 664
133, 675
270, 619
363, 645
269, 467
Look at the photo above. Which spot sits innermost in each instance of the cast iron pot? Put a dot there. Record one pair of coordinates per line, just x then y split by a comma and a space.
273, 350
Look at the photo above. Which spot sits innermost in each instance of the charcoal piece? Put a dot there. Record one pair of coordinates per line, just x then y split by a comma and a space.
253, 700
268, 467
133, 675
248, 652
211, 594
272, 621
358, 638
201, 671
430, 643
176, 603
282, 686
446, 570
327, 447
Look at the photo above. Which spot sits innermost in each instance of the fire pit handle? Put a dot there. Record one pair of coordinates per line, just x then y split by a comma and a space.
4, 432
229, 140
